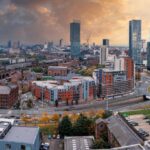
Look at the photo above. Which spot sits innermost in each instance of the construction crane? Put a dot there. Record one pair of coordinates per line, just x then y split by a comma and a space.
88, 39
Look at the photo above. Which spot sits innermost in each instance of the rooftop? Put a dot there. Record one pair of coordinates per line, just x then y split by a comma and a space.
112, 70
122, 132
78, 142
21, 134
53, 84
6, 89
131, 147
57, 67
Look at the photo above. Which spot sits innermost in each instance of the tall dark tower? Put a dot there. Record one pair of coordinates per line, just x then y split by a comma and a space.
75, 39
135, 44
9, 44
148, 55
105, 42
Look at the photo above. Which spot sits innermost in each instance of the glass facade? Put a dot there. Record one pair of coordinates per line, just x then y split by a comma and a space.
75, 39
135, 43
148, 55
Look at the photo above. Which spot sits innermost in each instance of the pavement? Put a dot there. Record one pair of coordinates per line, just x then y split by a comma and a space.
115, 104
56, 144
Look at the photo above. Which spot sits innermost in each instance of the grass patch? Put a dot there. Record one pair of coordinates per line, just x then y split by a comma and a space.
137, 112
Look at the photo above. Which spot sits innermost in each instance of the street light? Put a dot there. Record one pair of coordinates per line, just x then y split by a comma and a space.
107, 103
42, 97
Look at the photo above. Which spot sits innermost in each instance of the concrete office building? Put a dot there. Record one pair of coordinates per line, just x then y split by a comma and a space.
19, 138
103, 55
117, 81
75, 39
135, 41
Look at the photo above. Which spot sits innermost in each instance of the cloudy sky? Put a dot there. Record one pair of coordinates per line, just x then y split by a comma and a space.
34, 21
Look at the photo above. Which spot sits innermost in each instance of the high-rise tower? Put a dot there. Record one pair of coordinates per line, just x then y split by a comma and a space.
75, 38
135, 44
148, 55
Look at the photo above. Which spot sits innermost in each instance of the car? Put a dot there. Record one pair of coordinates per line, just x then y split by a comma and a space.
58, 136
49, 136
133, 123
143, 133
44, 146
141, 130
54, 136
148, 121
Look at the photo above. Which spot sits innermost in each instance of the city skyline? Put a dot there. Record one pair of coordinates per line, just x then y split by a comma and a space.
45, 20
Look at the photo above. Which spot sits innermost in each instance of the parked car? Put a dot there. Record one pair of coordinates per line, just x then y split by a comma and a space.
143, 133
49, 136
133, 123
44, 146
58, 136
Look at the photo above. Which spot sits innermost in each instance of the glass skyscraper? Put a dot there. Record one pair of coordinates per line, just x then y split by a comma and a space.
75, 39
148, 55
135, 44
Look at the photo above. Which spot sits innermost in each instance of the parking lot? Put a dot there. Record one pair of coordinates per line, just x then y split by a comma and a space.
140, 124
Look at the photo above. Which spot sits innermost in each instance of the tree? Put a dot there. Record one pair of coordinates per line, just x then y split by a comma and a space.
55, 117
65, 127
107, 114
100, 144
44, 118
25, 119
37, 69
82, 126
29, 103
74, 117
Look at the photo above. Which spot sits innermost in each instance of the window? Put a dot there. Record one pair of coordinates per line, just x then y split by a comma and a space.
23, 147
8, 147
28, 147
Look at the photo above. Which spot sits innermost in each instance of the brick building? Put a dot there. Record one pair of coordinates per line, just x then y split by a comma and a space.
58, 71
75, 90
118, 131
8, 95
117, 81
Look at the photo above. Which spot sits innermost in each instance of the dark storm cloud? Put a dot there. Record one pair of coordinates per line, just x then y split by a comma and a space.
44, 20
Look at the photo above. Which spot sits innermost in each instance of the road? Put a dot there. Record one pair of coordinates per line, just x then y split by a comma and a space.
142, 86
56, 144
115, 104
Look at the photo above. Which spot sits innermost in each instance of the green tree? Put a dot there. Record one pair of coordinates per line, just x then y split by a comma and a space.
29, 103
65, 127
37, 69
83, 126
107, 114
100, 144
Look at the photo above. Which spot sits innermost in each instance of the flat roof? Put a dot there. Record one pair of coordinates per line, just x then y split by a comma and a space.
21, 135
11, 121
112, 70
78, 142
57, 67
130, 147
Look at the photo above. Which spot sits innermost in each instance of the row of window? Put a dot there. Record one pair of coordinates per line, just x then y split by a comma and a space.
22, 147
